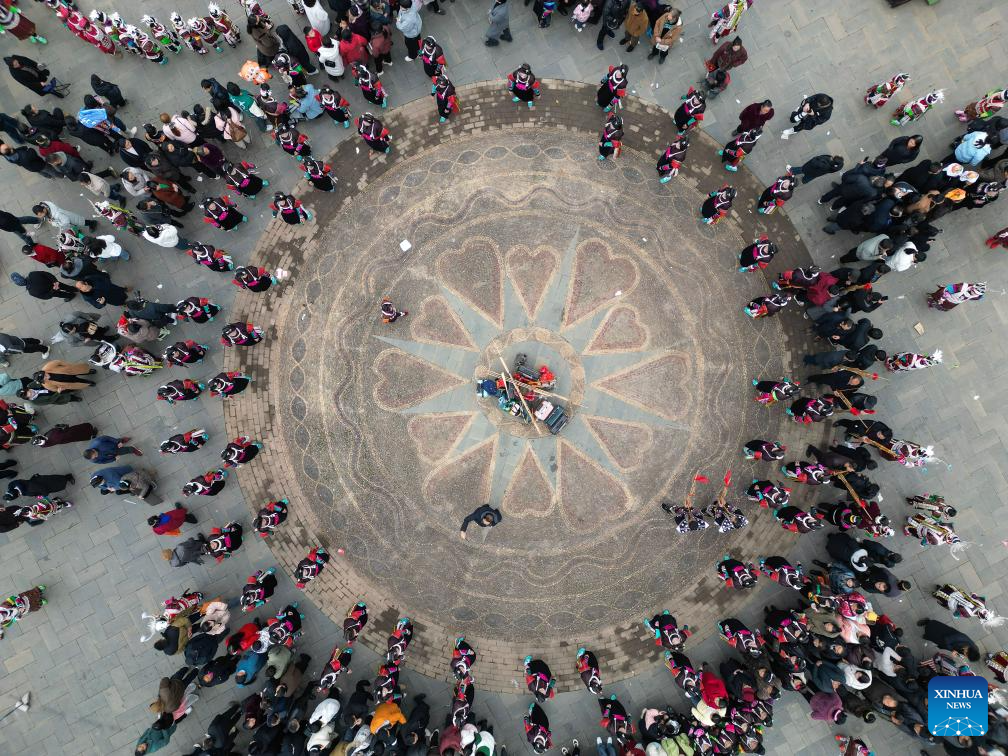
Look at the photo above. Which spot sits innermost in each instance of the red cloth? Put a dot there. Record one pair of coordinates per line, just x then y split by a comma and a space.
47, 255
57, 146
354, 51
244, 637
712, 688
818, 293
170, 521
314, 41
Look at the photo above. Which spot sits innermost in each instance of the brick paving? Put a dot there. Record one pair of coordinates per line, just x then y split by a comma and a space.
92, 679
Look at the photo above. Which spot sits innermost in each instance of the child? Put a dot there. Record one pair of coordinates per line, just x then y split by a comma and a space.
581, 13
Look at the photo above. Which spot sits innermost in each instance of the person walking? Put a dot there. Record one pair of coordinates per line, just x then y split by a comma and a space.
812, 112
60, 219
15, 224
19, 345
65, 434
27, 158
818, 166
98, 290
43, 285
484, 516
38, 485
170, 522
104, 450
500, 28
409, 23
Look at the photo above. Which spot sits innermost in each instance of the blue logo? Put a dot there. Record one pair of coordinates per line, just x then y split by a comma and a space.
957, 705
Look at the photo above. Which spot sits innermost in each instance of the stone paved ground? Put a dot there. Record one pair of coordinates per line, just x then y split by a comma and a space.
81, 658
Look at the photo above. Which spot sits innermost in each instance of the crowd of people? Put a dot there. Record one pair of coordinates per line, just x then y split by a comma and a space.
830, 643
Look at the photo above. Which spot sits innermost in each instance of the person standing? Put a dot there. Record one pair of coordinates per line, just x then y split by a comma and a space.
33, 76
667, 30
812, 112
613, 13
499, 28
107, 449
43, 285
902, 150
484, 516
409, 23
754, 116
635, 25
19, 345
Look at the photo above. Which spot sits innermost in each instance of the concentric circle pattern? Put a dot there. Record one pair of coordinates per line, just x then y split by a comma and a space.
520, 241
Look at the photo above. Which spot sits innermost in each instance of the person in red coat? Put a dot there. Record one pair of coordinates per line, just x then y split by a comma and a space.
51, 258
352, 48
170, 522
712, 689
241, 641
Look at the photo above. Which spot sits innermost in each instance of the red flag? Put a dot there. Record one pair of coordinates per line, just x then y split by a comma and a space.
727, 478
701, 479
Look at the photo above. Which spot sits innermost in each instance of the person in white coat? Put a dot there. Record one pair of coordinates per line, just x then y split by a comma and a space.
317, 16
331, 60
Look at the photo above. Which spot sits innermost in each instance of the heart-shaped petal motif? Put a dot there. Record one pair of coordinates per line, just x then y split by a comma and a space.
403, 381
621, 331
475, 271
529, 494
437, 323
531, 273
598, 274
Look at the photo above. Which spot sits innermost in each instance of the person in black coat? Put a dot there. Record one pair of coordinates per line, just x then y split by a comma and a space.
201, 648
358, 705
98, 290
218, 670
292, 45
861, 300
841, 380
50, 124
133, 152
223, 729
14, 224
27, 158
38, 485
925, 176
44, 285
854, 187
412, 733
813, 111
902, 150
818, 166
95, 138
855, 217
31, 75
108, 90
949, 639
